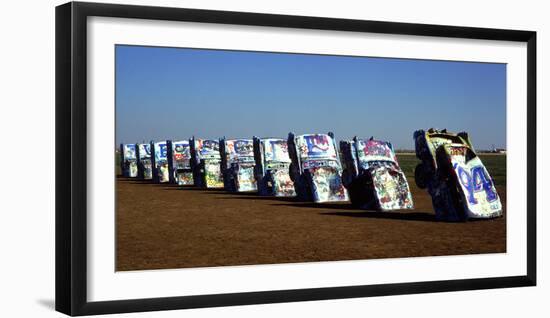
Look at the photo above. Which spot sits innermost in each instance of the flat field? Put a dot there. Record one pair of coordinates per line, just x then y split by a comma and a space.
161, 226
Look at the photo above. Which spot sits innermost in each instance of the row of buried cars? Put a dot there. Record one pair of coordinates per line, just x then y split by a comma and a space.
364, 172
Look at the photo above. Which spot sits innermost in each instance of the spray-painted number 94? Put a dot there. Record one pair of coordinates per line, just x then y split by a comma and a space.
477, 181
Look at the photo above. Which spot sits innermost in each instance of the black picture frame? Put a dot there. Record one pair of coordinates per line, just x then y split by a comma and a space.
71, 128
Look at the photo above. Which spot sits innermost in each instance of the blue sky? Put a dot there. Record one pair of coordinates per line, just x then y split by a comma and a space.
173, 93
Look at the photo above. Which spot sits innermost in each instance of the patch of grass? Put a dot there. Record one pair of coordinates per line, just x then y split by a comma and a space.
495, 164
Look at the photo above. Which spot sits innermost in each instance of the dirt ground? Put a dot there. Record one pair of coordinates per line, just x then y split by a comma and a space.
165, 226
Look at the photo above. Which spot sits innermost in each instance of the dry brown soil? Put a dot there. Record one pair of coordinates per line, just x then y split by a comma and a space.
164, 226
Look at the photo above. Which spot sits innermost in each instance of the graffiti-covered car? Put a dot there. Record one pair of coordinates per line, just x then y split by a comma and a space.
373, 177
161, 171
206, 163
179, 162
272, 167
238, 164
315, 169
458, 182
128, 160
145, 165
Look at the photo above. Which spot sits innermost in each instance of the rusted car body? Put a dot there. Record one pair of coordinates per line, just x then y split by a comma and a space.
373, 177
238, 165
272, 167
316, 169
458, 182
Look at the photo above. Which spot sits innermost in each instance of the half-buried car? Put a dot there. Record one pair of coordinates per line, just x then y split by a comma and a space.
206, 163
272, 167
144, 161
373, 177
316, 169
179, 162
161, 172
238, 165
458, 182
128, 160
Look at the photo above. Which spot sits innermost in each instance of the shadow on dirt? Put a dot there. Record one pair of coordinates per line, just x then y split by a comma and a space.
336, 206
406, 216
193, 188
241, 195
133, 180
237, 196
392, 215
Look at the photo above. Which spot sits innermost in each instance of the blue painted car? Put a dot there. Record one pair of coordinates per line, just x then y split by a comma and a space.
458, 182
